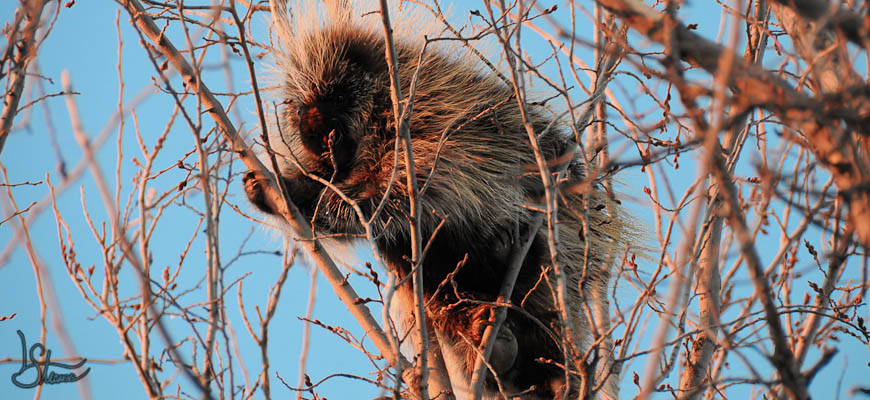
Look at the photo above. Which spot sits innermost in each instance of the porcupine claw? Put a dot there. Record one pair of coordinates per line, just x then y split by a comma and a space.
254, 190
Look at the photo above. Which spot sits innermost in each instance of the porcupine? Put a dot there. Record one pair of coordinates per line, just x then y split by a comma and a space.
473, 157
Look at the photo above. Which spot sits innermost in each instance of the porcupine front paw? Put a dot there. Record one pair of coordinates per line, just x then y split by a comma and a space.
253, 182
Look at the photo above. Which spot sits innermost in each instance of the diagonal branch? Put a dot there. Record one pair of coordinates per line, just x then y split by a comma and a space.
834, 16
275, 200
24, 49
818, 119
783, 359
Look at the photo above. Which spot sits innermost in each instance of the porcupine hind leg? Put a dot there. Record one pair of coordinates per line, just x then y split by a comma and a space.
462, 283
459, 334
526, 354
523, 360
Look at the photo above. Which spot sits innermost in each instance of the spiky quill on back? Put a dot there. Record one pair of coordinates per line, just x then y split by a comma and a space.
316, 61
472, 157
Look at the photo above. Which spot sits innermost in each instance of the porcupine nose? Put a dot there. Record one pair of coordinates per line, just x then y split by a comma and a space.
311, 128
322, 135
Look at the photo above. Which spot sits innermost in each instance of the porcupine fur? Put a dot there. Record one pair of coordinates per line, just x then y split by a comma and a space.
337, 122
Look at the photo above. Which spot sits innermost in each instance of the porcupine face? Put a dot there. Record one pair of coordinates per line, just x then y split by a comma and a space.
337, 123
328, 96
331, 122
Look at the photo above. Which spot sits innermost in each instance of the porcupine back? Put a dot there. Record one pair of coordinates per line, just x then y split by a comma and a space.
473, 158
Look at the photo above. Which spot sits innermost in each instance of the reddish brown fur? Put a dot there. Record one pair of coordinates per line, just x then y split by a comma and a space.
338, 124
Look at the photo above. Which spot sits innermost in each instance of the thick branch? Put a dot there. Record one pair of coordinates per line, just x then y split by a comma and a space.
852, 24
817, 119
273, 197
402, 112
518, 255
25, 50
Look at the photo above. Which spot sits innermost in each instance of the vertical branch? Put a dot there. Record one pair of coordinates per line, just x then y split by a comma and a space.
271, 306
213, 270
487, 342
306, 332
708, 279
144, 331
708, 284
38, 269
402, 112
505, 32
783, 359
607, 58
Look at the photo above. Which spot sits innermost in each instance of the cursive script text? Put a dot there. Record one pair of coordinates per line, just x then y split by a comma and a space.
43, 375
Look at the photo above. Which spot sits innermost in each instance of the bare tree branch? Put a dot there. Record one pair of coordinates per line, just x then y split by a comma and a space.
21, 42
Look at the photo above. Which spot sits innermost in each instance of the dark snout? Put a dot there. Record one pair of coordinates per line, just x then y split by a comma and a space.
323, 135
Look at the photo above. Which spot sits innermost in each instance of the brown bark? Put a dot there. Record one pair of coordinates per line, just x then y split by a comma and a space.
820, 120
274, 197
24, 49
